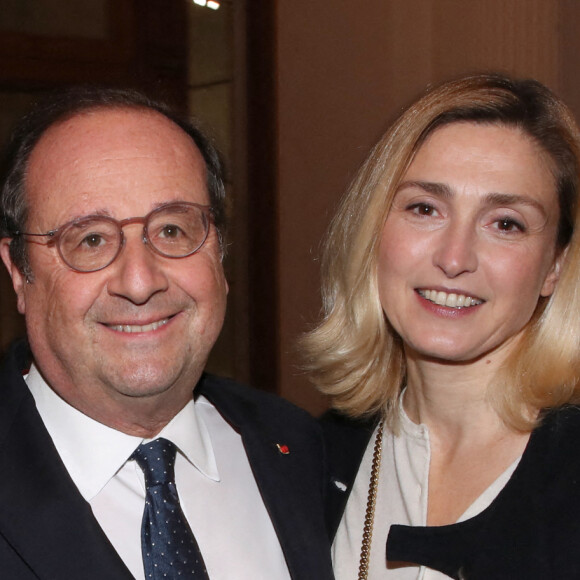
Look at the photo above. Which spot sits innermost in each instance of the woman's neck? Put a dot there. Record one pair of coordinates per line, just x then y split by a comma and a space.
451, 399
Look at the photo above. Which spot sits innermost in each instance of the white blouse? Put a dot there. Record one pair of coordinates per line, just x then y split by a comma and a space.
401, 499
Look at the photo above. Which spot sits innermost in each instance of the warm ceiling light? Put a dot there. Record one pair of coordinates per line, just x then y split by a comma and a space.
213, 4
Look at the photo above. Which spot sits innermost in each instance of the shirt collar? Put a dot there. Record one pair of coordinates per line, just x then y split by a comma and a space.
407, 426
190, 434
93, 453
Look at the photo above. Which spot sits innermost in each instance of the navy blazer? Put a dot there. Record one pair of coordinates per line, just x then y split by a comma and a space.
48, 531
531, 530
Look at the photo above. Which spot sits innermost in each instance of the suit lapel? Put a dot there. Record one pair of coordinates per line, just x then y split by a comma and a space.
346, 442
285, 452
293, 501
42, 515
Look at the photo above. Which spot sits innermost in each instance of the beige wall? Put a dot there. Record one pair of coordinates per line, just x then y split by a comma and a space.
345, 68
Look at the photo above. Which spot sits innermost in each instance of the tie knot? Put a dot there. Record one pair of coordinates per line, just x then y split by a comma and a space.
157, 460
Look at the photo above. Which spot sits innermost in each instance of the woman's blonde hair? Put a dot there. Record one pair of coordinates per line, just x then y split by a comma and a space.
354, 355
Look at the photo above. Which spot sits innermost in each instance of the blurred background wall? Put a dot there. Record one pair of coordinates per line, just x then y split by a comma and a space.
295, 94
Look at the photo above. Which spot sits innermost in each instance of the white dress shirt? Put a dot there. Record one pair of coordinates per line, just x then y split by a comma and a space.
401, 499
217, 490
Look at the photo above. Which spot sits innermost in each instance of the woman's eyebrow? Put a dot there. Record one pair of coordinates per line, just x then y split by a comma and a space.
440, 189
491, 199
497, 199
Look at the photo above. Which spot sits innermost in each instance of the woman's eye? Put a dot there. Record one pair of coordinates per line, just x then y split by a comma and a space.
422, 209
509, 225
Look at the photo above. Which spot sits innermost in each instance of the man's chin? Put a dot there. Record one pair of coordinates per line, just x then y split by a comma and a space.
143, 382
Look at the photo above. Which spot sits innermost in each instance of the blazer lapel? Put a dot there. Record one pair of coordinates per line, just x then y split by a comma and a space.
42, 515
294, 502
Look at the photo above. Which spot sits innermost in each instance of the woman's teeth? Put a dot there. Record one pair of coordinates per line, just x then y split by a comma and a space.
450, 300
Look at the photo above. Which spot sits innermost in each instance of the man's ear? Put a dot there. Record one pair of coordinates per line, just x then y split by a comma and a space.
18, 278
553, 274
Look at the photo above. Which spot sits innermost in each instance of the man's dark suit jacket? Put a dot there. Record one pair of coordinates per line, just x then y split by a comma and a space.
47, 530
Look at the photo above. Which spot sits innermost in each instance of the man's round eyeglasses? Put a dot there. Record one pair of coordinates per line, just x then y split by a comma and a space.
91, 243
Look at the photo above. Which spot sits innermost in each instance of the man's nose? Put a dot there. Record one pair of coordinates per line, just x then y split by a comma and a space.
456, 250
137, 273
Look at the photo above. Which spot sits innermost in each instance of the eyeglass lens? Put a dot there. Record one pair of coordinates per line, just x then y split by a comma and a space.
92, 243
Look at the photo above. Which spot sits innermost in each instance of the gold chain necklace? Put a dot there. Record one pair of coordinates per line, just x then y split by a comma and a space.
365, 550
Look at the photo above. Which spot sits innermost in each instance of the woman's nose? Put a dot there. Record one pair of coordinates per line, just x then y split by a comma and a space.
455, 250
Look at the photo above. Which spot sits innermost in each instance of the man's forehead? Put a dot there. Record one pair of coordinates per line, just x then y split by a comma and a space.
102, 123
105, 133
108, 151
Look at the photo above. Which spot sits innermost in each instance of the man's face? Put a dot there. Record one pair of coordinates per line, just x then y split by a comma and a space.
121, 163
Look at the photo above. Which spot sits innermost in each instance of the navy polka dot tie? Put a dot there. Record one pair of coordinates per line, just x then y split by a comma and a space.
168, 545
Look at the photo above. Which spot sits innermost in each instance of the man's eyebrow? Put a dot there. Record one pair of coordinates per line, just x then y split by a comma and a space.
103, 212
94, 213
491, 199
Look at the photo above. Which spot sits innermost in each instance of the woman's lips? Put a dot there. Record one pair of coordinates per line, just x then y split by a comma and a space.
449, 299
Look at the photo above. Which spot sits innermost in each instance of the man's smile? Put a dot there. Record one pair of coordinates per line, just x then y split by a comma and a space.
138, 327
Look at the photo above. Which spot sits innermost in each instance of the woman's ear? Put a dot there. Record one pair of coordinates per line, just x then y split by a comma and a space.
554, 273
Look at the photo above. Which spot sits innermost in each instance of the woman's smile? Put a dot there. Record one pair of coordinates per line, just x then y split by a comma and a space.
449, 299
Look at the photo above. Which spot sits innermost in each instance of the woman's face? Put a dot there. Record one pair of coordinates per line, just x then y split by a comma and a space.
469, 244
